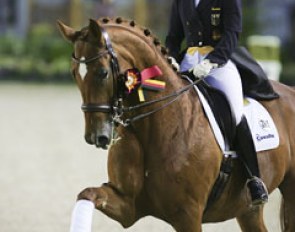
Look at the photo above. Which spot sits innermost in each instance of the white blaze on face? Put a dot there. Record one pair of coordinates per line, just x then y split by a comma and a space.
82, 69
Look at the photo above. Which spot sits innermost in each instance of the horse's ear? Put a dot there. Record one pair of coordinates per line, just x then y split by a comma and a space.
67, 32
95, 29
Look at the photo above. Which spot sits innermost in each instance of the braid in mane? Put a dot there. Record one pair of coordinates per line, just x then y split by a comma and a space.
145, 31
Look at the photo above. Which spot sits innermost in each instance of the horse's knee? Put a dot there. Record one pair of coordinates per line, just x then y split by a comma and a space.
87, 194
96, 195
111, 202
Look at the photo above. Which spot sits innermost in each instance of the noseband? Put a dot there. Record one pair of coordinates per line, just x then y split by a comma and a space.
117, 108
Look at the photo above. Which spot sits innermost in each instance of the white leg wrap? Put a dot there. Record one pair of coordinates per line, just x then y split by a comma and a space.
82, 216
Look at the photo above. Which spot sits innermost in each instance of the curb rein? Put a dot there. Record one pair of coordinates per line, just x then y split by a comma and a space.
117, 109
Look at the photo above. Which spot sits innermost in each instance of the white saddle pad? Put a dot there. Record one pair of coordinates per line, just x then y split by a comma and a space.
263, 129
264, 132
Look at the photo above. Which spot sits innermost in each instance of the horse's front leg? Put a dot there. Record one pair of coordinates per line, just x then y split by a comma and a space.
111, 202
117, 199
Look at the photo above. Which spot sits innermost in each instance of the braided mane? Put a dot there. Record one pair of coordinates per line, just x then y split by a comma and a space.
131, 24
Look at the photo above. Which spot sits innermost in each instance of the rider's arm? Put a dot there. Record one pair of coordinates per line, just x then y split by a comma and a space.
232, 26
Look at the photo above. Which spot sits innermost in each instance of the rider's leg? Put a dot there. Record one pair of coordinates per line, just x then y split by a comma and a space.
227, 79
248, 154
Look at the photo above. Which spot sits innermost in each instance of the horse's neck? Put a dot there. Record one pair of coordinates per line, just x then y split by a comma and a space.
168, 136
140, 52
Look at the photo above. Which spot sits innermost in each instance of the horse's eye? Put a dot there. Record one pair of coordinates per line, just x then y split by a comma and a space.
102, 73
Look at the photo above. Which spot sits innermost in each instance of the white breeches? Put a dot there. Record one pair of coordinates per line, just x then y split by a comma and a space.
226, 78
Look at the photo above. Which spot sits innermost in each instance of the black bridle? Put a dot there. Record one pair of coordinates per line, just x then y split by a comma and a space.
117, 109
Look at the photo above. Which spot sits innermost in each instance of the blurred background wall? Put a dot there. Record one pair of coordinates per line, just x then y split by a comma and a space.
30, 47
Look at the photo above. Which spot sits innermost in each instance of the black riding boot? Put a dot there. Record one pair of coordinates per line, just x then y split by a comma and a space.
247, 152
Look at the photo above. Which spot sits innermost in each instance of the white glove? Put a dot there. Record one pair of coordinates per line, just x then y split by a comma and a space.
174, 63
203, 69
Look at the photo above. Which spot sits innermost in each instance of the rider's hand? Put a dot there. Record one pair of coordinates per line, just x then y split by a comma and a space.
174, 63
203, 69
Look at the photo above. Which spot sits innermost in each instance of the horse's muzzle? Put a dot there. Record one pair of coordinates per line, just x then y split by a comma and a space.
101, 138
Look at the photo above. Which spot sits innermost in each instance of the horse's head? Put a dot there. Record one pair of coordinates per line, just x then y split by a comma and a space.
99, 48
95, 69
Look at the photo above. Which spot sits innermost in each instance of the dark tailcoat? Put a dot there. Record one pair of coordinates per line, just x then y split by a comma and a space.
214, 22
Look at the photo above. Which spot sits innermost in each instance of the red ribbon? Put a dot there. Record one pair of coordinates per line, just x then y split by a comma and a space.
150, 73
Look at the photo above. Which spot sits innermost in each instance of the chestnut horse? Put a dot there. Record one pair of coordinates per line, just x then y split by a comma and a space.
163, 161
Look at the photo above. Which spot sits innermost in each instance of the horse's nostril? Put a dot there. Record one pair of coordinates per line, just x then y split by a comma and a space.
102, 141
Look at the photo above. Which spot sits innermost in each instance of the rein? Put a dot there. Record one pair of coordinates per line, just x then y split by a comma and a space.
174, 95
117, 109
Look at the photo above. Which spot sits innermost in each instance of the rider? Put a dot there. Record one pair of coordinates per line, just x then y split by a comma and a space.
211, 30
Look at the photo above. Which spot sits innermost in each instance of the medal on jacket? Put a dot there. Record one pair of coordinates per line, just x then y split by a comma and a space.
215, 21
215, 16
